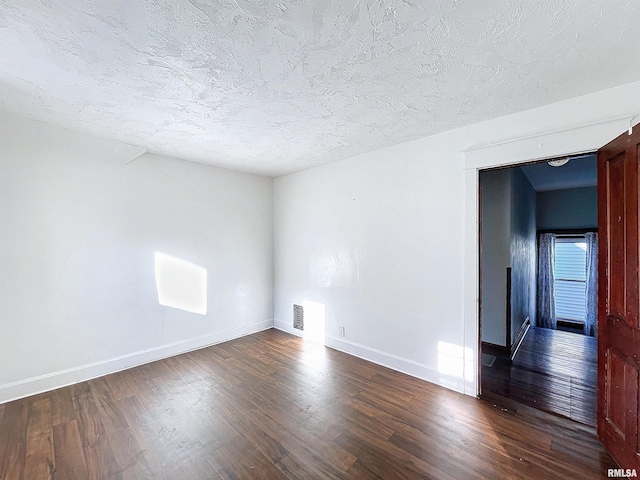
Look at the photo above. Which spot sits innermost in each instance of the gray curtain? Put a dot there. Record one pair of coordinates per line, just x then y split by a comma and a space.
546, 290
591, 322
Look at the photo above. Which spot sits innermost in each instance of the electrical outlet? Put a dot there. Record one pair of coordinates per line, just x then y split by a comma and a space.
341, 331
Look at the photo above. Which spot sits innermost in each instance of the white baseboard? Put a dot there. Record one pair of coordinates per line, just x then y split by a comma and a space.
51, 381
286, 327
389, 360
395, 362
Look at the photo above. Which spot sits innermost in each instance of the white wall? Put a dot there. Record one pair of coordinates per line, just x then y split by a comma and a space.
78, 233
388, 241
378, 239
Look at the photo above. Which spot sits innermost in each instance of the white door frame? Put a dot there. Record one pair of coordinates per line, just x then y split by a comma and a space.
575, 140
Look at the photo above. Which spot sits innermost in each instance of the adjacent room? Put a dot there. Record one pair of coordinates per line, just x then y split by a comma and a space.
539, 264
240, 239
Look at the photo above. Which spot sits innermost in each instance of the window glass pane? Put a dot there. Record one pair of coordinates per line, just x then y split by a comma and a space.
570, 260
570, 277
570, 300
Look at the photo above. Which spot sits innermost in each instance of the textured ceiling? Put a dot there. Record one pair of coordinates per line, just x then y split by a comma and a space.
275, 86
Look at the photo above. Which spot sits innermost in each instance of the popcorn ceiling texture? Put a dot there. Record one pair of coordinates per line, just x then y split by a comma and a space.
272, 87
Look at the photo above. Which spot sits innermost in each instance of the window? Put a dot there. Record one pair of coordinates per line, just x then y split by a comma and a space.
570, 278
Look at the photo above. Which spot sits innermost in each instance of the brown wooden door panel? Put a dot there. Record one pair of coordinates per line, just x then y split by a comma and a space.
617, 260
616, 383
618, 299
631, 232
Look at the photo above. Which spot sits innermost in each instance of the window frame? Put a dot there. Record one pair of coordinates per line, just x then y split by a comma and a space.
566, 233
570, 238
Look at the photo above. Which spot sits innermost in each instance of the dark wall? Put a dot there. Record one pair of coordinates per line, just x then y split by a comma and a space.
522, 251
575, 208
495, 186
508, 235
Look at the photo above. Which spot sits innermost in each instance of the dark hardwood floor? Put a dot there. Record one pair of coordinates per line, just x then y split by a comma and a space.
271, 406
553, 370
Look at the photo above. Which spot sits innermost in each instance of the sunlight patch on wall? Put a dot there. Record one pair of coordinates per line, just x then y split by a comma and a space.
181, 284
451, 361
314, 320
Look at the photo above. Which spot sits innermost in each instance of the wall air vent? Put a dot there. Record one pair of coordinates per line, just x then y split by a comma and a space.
298, 317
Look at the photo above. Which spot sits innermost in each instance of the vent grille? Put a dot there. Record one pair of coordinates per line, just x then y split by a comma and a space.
298, 317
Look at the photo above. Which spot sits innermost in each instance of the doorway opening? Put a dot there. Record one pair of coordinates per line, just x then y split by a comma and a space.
538, 283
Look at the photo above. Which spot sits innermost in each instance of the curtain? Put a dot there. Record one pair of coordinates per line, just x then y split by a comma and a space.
591, 322
546, 290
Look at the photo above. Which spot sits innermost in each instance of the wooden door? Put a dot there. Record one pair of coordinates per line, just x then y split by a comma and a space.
618, 303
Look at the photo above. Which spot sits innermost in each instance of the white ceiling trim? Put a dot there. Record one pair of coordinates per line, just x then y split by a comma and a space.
570, 141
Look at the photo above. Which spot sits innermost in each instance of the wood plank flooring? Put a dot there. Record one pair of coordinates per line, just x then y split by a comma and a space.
271, 406
553, 370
